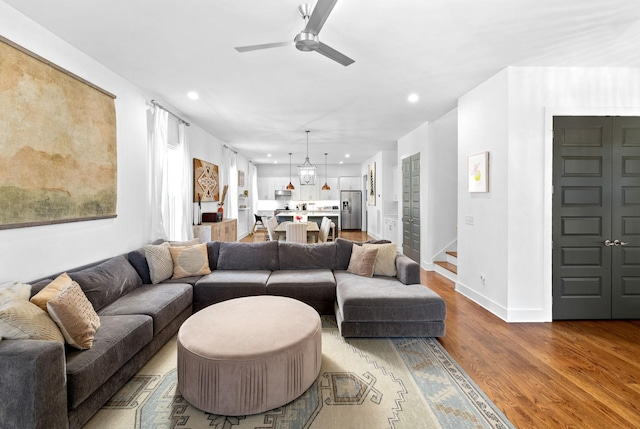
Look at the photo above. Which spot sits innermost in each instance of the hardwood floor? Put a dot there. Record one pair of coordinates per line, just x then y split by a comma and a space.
570, 374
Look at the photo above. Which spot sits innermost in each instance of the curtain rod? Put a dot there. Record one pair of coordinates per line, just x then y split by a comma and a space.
230, 148
155, 103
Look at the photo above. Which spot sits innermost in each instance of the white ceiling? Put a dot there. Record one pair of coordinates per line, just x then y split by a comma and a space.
262, 102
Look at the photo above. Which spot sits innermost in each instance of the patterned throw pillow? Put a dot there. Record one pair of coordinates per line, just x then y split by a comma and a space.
385, 259
159, 260
22, 320
51, 290
362, 261
10, 291
190, 260
75, 316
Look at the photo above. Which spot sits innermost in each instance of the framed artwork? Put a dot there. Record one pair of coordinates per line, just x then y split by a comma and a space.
371, 199
59, 159
240, 179
206, 185
478, 172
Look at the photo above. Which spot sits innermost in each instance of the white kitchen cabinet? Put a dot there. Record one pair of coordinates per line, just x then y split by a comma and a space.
350, 183
334, 193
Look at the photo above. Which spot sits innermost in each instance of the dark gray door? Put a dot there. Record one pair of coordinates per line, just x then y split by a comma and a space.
411, 207
596, 213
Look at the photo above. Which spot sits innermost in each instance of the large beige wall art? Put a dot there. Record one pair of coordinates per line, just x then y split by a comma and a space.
58, 160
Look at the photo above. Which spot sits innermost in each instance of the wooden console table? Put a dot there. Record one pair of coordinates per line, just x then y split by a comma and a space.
225, 230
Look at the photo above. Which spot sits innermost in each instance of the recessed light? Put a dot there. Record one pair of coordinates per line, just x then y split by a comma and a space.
341, 162
347, 156
413, 98
268, 155
193, 95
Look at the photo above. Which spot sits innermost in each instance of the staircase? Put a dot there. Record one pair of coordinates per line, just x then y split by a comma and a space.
448, 268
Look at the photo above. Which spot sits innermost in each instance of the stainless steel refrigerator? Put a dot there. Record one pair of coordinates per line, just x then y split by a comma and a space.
351, 209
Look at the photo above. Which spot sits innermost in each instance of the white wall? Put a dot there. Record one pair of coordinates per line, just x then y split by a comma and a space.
30, 253
437, 143
442, 177
482, 217
514, 240
384, 161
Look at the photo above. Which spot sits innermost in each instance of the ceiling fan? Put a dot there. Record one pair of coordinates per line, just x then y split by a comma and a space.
307, 40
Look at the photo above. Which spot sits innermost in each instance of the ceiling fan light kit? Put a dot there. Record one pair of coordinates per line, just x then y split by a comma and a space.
307, 40
307, 171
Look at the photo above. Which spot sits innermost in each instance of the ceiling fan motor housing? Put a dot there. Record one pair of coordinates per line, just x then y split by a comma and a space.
306, 42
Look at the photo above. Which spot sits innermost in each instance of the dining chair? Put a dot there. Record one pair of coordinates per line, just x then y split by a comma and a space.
297, 233
271, 235
258, 224
325, 227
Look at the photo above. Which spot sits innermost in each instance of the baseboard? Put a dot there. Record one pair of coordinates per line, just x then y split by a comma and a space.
483, 301
514, 315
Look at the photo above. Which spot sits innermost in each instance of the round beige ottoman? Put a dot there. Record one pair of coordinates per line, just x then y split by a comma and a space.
249, 355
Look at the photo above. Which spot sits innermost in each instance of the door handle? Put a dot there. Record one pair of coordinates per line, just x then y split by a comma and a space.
609, 243
619, 243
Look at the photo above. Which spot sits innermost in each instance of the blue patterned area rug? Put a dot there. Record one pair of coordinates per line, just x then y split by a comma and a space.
398, 383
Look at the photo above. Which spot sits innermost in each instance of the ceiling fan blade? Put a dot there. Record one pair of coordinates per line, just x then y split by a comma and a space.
329, 52
319, 15
263, 46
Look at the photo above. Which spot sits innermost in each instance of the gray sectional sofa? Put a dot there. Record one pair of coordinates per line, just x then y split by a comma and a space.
44, 384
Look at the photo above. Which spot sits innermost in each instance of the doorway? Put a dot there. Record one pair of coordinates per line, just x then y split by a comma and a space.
596, 217
411, 207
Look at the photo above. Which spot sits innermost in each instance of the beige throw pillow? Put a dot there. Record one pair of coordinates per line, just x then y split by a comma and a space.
75, 316
51, 290
385, 259
10, 291
362, 261
190, 260
22, 320
159, 261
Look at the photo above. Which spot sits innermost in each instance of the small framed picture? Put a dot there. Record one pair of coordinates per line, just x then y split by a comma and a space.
240, 179
478, 172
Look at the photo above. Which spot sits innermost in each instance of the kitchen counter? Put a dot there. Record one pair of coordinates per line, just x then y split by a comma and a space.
308, 212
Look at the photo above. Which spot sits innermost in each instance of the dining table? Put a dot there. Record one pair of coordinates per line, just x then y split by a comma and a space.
313, 231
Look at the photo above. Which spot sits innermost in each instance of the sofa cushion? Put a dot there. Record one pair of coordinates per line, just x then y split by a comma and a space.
75, 316
248, 256
23, 320
304, 285
118, 340
385, 258
51, 290
159, 261
189, 261
344, 248
222, 285
106, 282
138, 260
163, 302
385, 299
10, 291
296, 256
363, 261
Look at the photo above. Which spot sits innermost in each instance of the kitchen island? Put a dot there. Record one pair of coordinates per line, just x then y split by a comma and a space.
310, 216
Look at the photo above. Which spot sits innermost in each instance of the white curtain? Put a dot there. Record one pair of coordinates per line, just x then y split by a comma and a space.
158, 183
184, 230
230, 177
253, 189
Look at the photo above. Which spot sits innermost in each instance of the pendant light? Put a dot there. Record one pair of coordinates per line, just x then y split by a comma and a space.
326, 186
290, 185
307, 171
